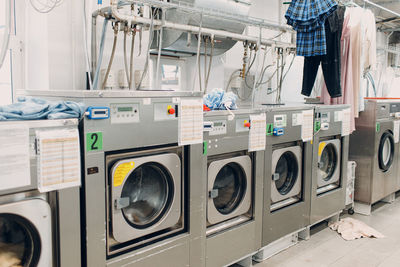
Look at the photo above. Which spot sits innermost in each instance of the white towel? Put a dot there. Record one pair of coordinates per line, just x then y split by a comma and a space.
351, 229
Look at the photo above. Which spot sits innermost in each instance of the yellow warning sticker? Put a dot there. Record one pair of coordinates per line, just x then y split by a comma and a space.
321, 148
122, 171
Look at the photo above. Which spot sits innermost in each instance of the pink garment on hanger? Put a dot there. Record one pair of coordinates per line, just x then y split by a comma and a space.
346, 74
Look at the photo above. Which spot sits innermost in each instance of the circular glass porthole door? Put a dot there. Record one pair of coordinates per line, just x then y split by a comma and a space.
328, 162
20, 243
229, 188
149, 189
386, 151
286, 173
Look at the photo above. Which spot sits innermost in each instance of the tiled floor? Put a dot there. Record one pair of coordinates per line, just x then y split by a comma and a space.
327, 248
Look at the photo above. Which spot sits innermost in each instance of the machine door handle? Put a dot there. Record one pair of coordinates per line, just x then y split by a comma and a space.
275, 177
320, 165
121, 203
213, 193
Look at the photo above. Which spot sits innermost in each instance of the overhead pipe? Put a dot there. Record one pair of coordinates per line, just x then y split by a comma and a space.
133, 19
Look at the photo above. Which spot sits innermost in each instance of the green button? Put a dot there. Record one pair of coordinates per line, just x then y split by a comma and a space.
378, 127
94, 141
270, 129
205, 148
317, 126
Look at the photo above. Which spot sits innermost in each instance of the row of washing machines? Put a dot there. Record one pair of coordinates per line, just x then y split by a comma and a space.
146, 201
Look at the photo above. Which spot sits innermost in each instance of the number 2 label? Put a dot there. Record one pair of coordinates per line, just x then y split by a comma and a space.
94, 141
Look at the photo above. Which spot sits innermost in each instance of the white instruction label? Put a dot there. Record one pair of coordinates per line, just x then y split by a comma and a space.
337, 115
146, 101
258, 132
346, 119
307, 131
190, 122
59, 163
396, 129
14, 157
297, 119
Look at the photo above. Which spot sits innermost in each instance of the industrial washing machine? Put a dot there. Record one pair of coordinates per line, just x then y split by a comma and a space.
234, 188
140, 190
373, 147
330, 157
287, 173
36, 229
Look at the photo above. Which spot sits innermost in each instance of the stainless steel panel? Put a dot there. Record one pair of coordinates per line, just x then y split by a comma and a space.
288, 219
171, 253
330, 202
372, 184
243, 236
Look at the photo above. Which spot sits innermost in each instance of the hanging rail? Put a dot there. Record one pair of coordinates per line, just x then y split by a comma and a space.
381, 7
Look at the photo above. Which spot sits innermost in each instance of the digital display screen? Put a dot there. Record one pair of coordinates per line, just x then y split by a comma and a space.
218, 124
125, 109
279, 118
324, 115
100, 112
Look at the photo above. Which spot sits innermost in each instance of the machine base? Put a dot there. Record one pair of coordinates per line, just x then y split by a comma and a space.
277, 246
366, 209
245, 262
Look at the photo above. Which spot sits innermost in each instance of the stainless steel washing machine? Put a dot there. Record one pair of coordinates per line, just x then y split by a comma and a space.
287, 174
329, 168
374, 148
36, 229
234, 188
140, 189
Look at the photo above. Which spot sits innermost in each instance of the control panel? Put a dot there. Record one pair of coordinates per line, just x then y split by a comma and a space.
165, 111
98, 113
243, 125
325, 117
124, 113
280, 121
219, 128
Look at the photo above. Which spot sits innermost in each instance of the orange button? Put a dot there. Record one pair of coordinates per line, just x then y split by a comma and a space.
171, 111
247, 124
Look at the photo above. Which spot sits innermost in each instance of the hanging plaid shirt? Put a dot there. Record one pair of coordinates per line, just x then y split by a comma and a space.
310, 44
307, 17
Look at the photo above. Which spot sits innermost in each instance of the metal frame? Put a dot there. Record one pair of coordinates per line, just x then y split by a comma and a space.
38, 213
336, 175
123, 231
213, 215
296, 189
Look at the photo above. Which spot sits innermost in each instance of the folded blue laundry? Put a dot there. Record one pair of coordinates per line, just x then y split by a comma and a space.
218, 99
30, 108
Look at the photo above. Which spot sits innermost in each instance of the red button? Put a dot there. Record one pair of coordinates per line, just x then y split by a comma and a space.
171, 111
247, 124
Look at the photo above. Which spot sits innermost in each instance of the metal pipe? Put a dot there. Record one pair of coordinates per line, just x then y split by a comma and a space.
193, 29
112, 56
381, 7
250, 21
131, 60
159, 49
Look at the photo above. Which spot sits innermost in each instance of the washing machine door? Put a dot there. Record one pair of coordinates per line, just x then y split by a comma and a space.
229, 188
25, 234
286, 173
386, 151
329, 162
146, 195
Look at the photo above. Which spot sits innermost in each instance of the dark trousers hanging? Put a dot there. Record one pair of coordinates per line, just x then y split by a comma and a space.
330, 62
